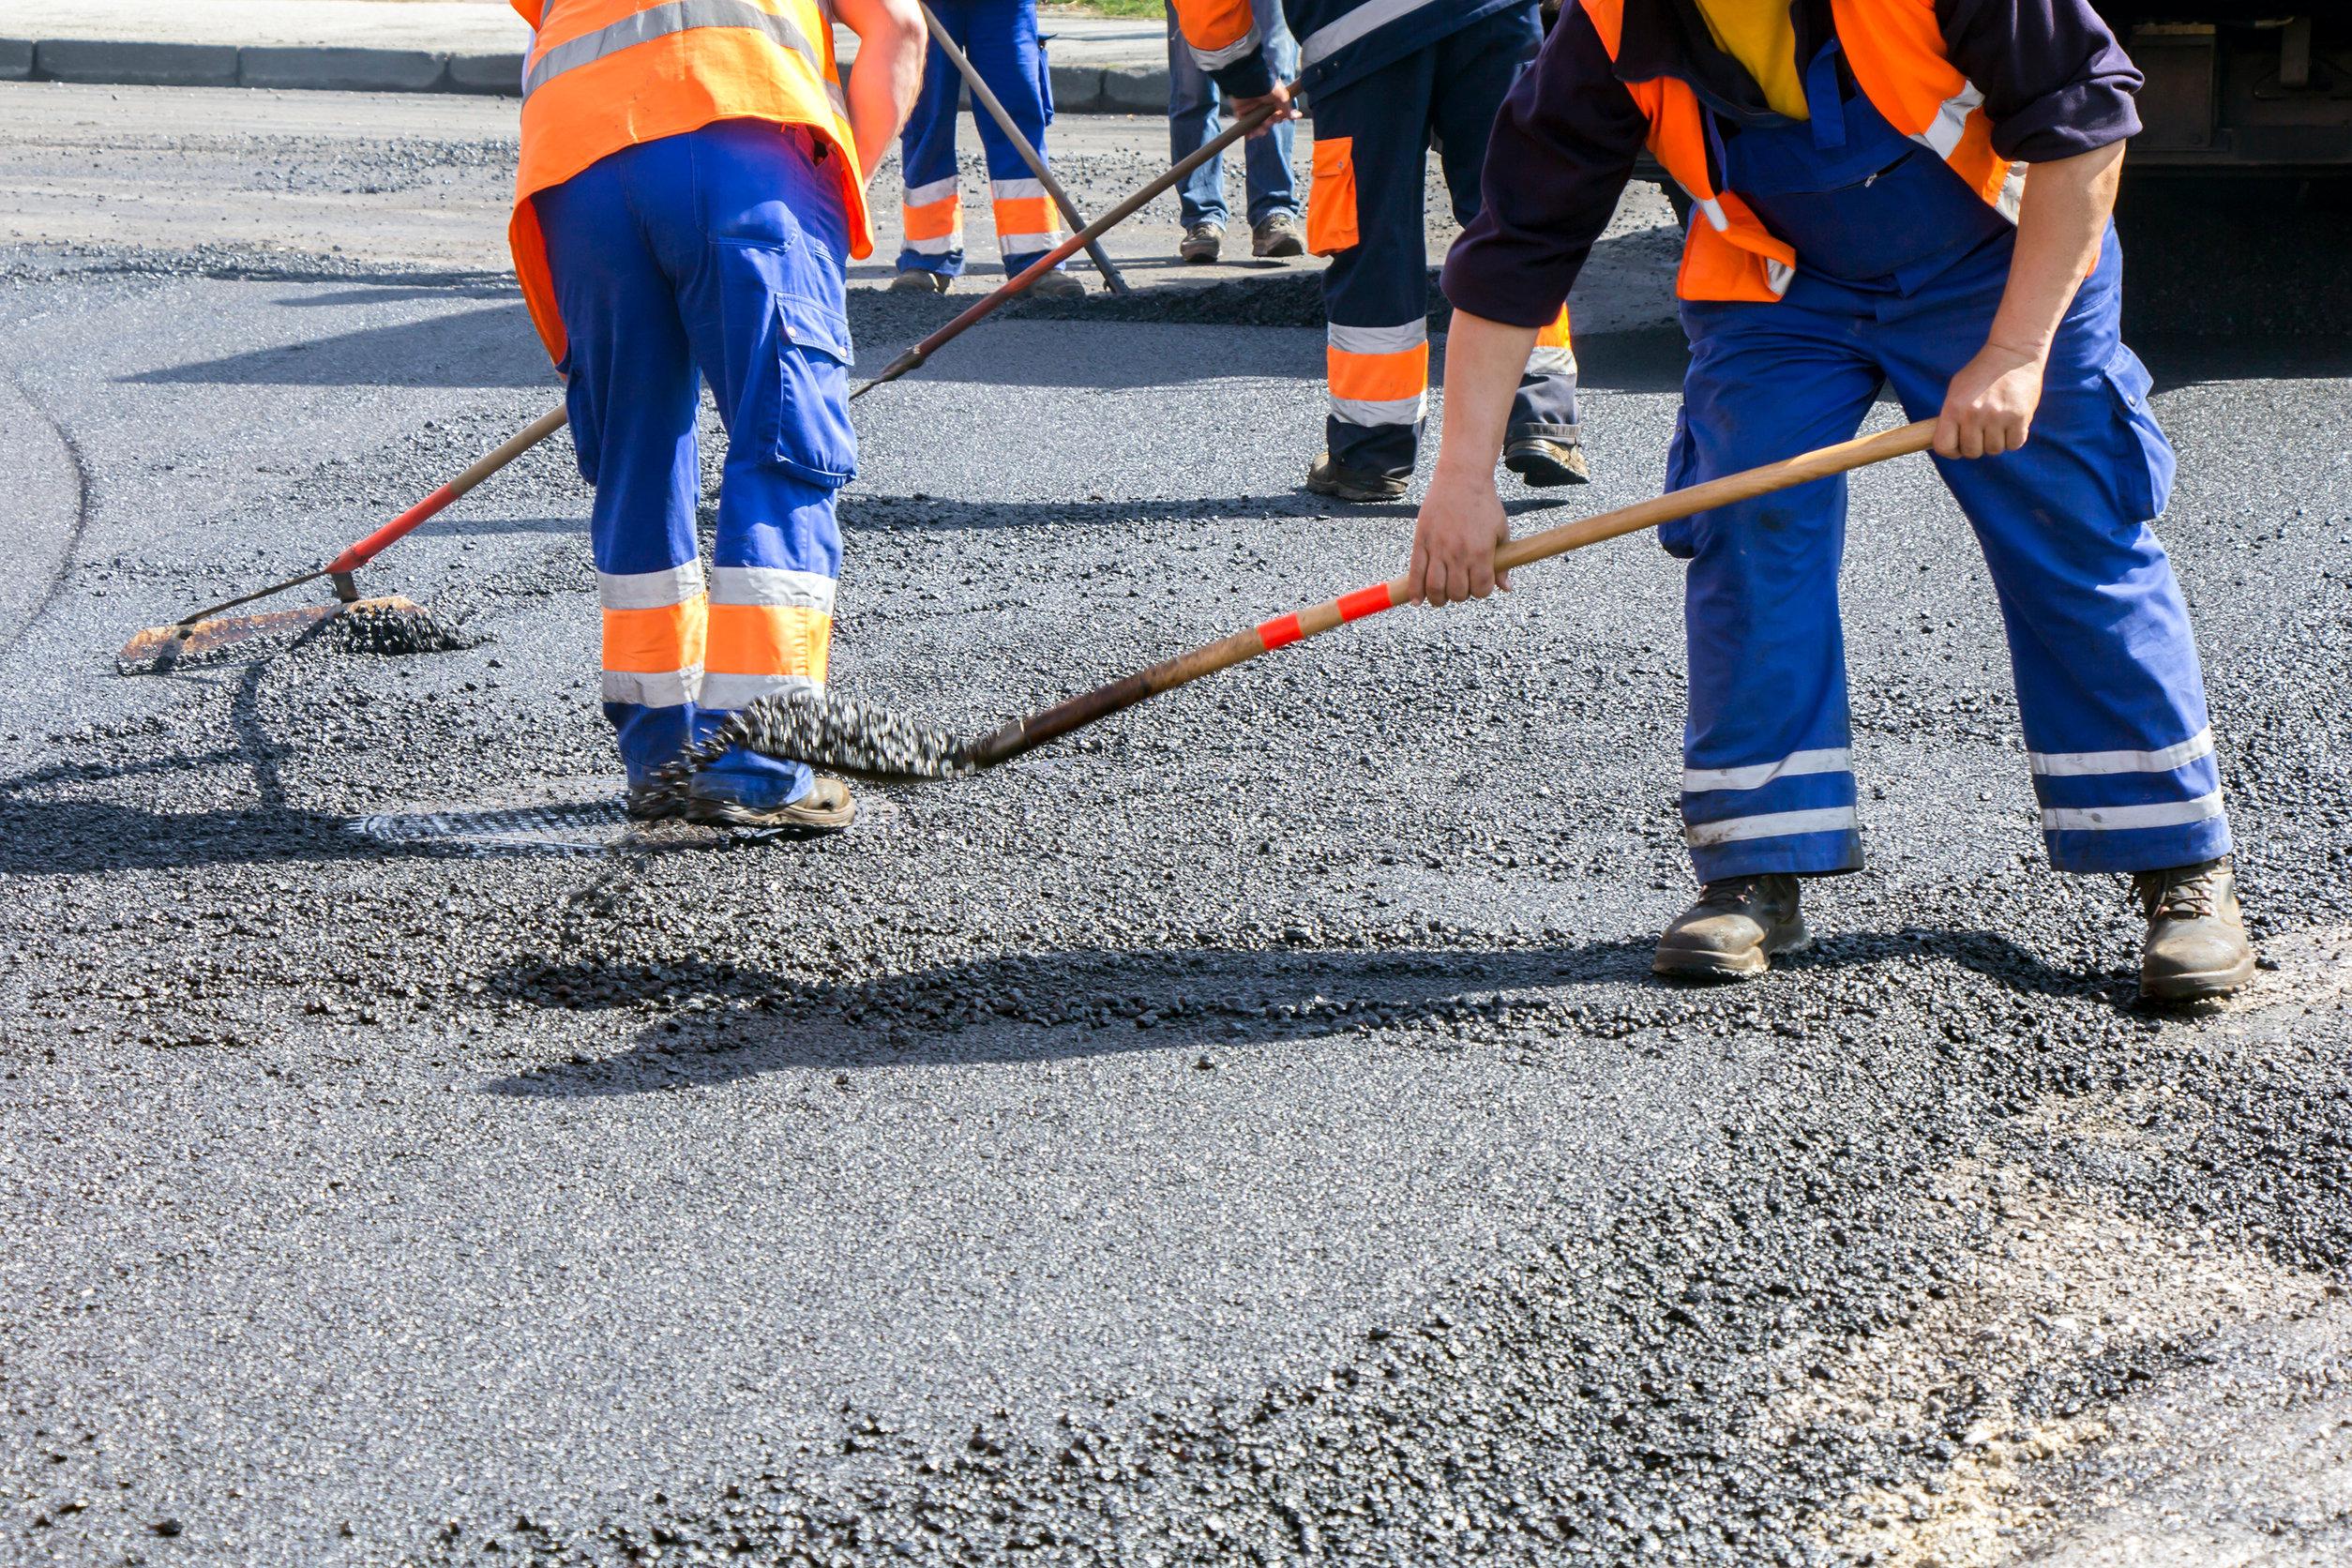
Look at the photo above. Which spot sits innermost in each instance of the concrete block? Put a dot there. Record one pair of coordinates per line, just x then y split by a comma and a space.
486, 73
16, 59
136, 65
342, 71
1077, 89
1133, 90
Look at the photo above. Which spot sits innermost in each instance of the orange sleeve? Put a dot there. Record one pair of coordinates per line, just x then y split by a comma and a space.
530, 11
1210, 27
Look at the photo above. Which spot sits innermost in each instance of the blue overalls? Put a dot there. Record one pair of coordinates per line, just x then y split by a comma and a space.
714, 256
1900, 270
999, 38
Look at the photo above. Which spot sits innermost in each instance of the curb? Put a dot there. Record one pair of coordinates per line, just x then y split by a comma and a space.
1077, 89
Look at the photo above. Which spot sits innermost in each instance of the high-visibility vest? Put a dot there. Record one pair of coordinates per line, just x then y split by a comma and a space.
607, 74
1904, 67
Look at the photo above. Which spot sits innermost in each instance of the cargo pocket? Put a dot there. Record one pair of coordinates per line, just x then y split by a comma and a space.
1330, 199
813, 439
2144, 459
1680, 537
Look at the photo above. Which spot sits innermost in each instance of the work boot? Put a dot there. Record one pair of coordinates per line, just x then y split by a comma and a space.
2196, 934
1735, 926
652, 803
915, 281
1328, 477
1278, 235
826, 809
1202, 242
1544, 461
1058, 285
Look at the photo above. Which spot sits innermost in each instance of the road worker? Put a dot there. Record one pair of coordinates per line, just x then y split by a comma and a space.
1887, 193
1385, 80
692, 187
1000, 37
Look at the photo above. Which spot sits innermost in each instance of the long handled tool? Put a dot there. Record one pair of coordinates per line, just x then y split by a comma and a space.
914, 357
986, 99
853, 738
206, 630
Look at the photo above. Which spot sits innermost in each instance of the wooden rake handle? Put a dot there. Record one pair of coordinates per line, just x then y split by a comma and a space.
432, 505
1026, 734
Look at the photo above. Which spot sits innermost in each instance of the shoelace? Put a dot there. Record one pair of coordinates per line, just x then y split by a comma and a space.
1727, 895
2189, 898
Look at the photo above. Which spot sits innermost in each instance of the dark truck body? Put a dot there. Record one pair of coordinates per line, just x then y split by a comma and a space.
2240, 85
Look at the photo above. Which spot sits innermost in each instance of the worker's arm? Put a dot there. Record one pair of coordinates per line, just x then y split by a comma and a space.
2062, 221
1557, 163
886, 76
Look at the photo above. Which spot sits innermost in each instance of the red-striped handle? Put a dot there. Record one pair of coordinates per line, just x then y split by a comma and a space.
1283, 630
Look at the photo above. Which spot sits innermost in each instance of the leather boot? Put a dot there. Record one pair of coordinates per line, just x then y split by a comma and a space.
1733, 930
2196, 943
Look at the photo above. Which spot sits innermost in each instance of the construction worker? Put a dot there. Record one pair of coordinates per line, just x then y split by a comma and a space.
1887, 193
1384, 80
1268, 177
691, 189
1000, 37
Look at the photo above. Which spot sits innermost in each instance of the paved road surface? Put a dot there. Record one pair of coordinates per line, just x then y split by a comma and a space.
1247, 1134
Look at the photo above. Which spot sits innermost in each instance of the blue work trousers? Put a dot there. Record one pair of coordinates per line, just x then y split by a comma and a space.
1366, 211
1000, 37
714, 256
1193, 102
2108, 686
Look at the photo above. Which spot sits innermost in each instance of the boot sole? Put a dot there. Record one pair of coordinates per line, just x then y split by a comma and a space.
785, 819
1542, 473
1692, 964
1339, 490
2205, 986
1280, 250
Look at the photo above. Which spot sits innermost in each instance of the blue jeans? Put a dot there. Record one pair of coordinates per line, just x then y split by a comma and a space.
1192, 121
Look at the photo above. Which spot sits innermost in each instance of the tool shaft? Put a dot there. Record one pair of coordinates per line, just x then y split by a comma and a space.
1026, 734
401, 527
1069, 247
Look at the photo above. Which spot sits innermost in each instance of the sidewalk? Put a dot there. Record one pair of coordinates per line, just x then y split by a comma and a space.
433, 46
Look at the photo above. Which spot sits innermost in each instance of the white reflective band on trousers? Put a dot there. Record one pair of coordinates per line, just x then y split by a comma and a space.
2084, 764
2114, 819
771, 586
1242, 48
650, 590
1771, 824
924, 195
666, 689
1828, 759
1378, 340
941, 245
729, 692
660, 21
1371, 410
1329, 40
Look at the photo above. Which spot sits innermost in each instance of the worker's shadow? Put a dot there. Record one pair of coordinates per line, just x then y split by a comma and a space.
737, 1023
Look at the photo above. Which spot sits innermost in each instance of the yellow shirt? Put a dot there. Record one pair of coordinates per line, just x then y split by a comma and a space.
1759, 35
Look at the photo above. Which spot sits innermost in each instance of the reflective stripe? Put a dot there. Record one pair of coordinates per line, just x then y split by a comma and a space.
1951, 123
660, 689
2081, 764
2112, 819
771, 586
729, 692
1242, 47
1778, 274
1771, 824
1828, 759
1378, 340
1367, 411
1012, 191
650, 590
1551, 362
2012, 196
661, 22
769, 639
933, 219
1023, 217
924, 195
940, 246
1377, 377
1717, 218
1327, 40
649, 641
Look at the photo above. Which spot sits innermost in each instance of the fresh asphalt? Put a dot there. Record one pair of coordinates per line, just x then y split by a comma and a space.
1246, 1133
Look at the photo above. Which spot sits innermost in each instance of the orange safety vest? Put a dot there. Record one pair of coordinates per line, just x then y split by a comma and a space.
1902, 66
607, 74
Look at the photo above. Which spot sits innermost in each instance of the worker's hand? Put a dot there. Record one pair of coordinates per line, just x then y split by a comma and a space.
1279, 97
1455, 539
1988, 409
